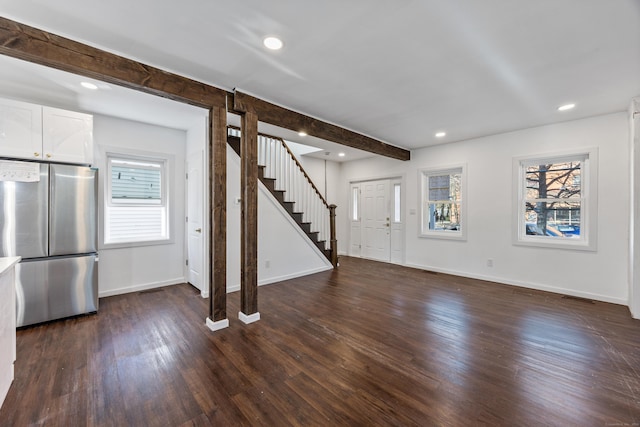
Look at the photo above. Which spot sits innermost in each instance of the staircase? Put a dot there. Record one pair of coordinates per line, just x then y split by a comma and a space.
284, 177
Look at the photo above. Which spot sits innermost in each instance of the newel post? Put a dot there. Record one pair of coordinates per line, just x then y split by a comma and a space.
333, 241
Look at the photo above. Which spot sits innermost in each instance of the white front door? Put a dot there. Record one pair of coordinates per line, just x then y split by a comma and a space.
375, 220
195, 214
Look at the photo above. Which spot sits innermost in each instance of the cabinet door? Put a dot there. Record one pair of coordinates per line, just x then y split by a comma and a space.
67, 136
20, 130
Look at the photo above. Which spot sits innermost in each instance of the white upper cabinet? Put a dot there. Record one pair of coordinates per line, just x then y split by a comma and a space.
20, 129
29, 131
67, 136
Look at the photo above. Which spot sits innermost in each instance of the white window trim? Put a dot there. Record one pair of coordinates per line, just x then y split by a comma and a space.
588, 209
167, 197
423, 182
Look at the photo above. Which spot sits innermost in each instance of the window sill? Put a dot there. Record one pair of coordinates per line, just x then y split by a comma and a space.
551, 243
121, 245
444, 235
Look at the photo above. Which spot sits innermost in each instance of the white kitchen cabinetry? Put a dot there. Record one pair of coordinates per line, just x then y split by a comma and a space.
34, 132
20, 129
67, 136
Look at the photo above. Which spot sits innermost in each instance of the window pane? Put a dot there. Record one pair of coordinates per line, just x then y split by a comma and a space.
554, 181
396, 203
442, 203
136, 181
354, 203
554, 219
444, 187
136, 223
444, 216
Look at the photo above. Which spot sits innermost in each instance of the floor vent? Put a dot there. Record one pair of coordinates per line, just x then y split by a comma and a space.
589, 301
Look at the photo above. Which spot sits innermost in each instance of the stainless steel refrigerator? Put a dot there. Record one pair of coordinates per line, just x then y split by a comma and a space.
50, 221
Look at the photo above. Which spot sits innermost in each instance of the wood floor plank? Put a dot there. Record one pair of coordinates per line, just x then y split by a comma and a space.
366, 344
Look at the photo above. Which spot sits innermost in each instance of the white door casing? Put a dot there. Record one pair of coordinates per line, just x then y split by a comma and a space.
397, 222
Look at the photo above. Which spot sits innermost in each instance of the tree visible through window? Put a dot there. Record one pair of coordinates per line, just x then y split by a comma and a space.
557, 200
554, 198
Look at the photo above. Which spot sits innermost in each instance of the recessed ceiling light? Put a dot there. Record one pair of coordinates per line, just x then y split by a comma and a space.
88, 85
566, 107
441, 134
302, 133
272, 43
341, 154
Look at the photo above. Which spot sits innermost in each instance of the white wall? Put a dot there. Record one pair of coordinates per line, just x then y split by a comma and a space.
132, 269
600, 275
325, 175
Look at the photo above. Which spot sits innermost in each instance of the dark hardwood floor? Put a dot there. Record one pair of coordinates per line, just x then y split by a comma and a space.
368, 344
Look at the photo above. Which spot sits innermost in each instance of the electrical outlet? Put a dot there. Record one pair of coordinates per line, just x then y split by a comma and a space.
489, 262
267, 264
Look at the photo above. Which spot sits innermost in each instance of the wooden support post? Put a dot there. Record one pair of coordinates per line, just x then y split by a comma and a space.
332, 230
218, 218
249, 218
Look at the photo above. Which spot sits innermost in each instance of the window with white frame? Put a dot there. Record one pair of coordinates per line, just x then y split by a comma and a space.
136, 205
442, 204
557, 200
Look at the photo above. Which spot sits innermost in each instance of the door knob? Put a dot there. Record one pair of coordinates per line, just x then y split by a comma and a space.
198, 230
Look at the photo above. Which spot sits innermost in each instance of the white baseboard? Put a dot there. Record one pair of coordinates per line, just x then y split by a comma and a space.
276, 279
270, 280
141, 287
522, 284
216, 326
246, 319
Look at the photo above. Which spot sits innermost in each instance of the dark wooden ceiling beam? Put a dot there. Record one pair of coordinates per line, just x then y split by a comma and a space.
31, 44
292, 120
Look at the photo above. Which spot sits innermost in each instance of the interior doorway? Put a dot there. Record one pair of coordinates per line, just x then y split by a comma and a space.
376, 220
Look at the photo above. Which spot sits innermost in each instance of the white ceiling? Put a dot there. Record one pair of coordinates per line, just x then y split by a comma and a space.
397, 71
